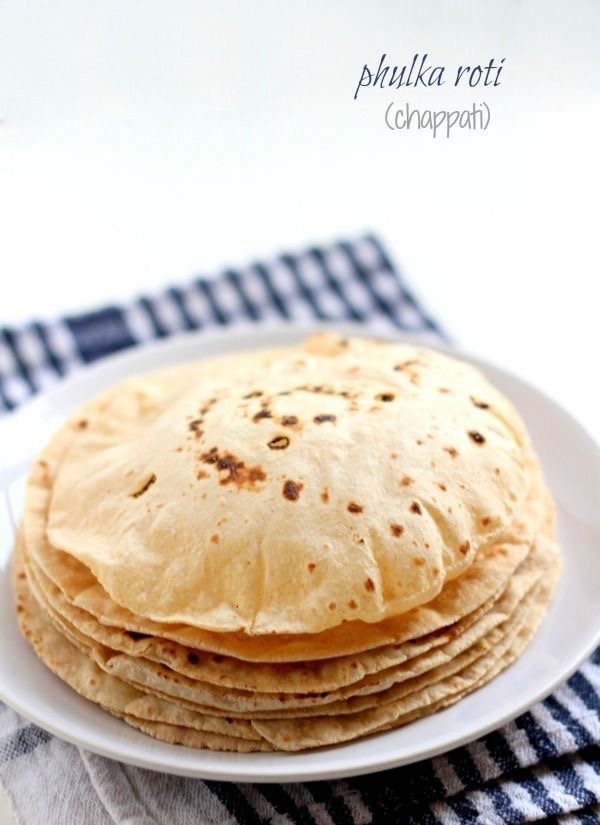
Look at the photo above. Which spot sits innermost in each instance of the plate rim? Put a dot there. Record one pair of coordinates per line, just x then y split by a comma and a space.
287, 773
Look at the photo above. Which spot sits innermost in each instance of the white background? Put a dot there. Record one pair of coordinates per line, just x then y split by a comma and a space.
143, 142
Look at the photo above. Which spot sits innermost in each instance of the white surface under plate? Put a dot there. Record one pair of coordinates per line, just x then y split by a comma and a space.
570, 631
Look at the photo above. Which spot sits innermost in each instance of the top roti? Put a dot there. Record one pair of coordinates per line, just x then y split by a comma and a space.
291, 490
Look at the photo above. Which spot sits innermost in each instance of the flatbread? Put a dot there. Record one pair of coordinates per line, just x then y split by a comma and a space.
228, 672
403, 662
423, 696
204, 506
286, 549
304, 734
408, 701
493, 566
82, 674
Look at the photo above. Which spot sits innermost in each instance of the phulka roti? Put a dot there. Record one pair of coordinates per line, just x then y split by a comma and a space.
165, 682
86, 678
492, 567
303, 734
424, 658
372, 671
227, 672
210, 510
294, 734
286, 549
460, 655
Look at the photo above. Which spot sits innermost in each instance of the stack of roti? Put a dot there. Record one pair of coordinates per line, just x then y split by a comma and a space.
286, 549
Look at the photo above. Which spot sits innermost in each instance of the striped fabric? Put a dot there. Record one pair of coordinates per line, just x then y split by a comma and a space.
542, 767
344, 282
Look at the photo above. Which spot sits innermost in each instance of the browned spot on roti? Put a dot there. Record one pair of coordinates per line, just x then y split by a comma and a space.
280, 442
232, 470
325, 418
405, 364
195, 427
369, 585
292, 490
262, 414
397, 529
150, 481
353, 507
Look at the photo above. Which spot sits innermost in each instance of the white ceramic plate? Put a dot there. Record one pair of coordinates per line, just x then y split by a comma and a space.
570, 632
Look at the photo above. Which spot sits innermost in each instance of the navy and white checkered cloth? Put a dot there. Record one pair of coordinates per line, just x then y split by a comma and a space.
543, 766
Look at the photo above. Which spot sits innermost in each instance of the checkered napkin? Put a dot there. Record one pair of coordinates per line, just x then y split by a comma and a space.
544, 766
